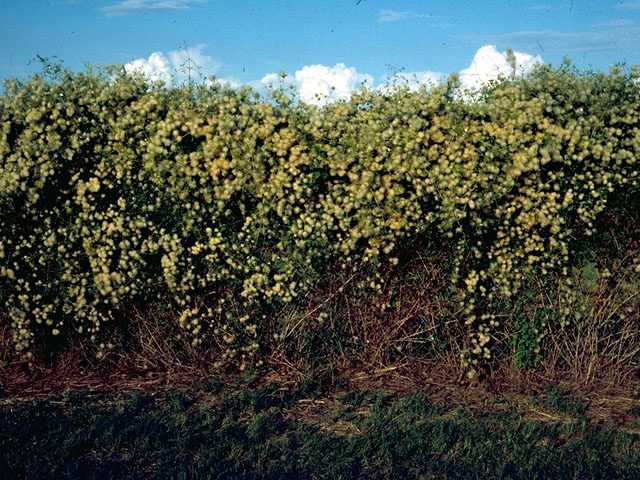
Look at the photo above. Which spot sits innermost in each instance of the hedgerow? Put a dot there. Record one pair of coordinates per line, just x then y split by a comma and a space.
227, 206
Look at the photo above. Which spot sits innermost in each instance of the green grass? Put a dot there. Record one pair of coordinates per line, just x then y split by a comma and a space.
268, 433
561, 402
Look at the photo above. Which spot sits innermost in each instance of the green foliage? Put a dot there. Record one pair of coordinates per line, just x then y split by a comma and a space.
526, 343
226, 207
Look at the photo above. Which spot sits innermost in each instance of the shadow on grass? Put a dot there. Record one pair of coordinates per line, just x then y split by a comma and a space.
254, 435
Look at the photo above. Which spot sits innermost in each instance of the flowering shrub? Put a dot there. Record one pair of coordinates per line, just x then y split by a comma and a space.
226, 206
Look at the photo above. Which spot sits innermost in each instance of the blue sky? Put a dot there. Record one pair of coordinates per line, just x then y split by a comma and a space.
319, 43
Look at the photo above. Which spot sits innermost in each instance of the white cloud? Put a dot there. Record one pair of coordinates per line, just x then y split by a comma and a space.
175, 65
387, 16
488, 64
412, 80
548, 7
629, 6
130, 7
319, 84
270, 80
156, 67
231, 82
621, 22
609, 38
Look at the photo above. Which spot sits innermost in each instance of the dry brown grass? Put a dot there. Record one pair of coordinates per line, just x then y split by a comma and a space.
344, 323
602, 343
149, 355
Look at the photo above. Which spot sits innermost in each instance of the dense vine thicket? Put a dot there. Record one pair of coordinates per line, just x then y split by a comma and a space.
225, 206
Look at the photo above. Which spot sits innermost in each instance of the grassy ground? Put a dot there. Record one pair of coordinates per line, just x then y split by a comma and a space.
217, 430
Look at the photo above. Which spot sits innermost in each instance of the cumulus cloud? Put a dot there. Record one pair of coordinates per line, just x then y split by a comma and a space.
270, 80
488, 64
231, 82
156, 67
412, 80
131, 7
174, 66
319, 84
